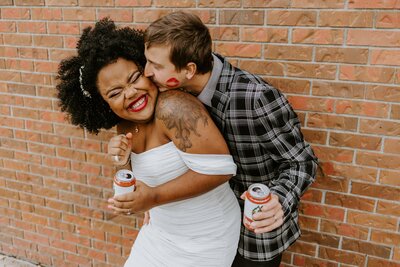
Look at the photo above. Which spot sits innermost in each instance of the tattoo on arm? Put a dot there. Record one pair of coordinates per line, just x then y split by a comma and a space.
179, 111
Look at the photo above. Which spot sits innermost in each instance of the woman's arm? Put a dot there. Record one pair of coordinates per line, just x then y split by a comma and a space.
185, 121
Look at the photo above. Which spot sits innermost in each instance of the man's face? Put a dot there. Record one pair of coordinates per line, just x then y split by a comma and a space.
161, 70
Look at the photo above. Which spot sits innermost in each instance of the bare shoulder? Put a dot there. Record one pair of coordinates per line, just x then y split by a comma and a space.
183, 117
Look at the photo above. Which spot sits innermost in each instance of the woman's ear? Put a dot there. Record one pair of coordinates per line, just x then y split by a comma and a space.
190, 70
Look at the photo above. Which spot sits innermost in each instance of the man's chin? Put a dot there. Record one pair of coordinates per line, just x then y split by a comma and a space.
163, 89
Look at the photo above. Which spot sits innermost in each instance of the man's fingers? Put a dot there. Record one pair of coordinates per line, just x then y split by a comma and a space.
264, 229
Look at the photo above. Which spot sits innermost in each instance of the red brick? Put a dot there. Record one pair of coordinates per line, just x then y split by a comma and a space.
344, 90
300, 260
367, 74
320, 238
372, 262
303, 248
378, 160
290, 85
383, 92
8, 26
79, 14
29, 2
346, 19
372, 220
396, 255
355, 141
385, 57
389, 238
291, 18
380, 127
262, 67
373, 38
32, 27
6, 51
15, 13
388, 208
389, 177
167, 3
392, 146
61, 2
239, 50
266, 3
302, 53
312, 195
362, 108
311, 103
395, 112
317, 36
307, 70
334, 154
308, 223
387, 19
241, 17
343, 55
118, 15
349, 201
63, 28
313, 136
133, 3
376, 4
344, 229
218, 3
96, 3
377, 191
318, 120
17, 39
48, 41
342, 256
336, 214
224, 33
49, 14
313, 4
268, 35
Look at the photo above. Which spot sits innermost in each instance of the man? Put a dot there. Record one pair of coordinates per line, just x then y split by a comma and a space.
259, 125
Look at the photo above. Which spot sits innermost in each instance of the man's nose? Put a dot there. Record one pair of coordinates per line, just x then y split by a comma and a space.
147, 70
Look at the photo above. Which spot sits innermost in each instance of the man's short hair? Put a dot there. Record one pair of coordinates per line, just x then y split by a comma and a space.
188, 38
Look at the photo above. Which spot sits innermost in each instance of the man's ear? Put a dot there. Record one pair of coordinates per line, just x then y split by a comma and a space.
190, 70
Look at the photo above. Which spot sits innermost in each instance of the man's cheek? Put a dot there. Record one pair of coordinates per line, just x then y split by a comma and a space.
172, 83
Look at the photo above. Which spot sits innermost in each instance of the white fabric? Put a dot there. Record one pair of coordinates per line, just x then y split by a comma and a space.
200, 231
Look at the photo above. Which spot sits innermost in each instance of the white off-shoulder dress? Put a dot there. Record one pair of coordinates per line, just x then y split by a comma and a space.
200, 231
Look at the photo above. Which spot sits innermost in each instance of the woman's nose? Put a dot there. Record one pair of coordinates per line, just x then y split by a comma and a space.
130, 91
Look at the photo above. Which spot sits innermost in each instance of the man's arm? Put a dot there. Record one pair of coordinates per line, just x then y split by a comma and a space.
279, 134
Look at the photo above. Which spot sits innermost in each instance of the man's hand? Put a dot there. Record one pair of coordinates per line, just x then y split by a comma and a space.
138, 201
269, 218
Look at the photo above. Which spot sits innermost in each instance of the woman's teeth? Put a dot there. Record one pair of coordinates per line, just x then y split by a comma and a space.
138, 103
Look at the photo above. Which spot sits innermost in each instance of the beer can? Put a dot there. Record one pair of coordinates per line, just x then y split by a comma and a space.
256, 196
124, 182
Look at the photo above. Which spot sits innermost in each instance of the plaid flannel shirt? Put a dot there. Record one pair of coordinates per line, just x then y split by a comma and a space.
264, 138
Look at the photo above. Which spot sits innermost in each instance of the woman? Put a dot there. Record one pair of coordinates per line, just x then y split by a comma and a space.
160, 137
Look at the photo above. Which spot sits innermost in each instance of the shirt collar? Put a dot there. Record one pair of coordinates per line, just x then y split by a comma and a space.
207, 93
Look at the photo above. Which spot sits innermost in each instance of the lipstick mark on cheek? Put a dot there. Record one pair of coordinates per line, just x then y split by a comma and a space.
172, 82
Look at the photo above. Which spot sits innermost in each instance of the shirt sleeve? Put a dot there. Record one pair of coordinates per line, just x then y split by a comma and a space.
278, 130
209, 164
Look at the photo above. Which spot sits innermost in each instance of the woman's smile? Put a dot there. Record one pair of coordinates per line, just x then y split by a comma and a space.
138, 104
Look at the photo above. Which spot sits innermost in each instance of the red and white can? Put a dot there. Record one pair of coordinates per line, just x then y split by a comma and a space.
124, 182
256, 196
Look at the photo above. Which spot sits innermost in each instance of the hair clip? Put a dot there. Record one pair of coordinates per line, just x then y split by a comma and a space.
84, 92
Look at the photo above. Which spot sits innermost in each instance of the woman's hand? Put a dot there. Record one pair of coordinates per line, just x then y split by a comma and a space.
119, 149
135, 202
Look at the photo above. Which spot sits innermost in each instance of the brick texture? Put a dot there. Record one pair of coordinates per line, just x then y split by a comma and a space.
337, 61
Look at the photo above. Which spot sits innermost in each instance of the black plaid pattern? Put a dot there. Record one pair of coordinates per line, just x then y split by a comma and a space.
263, 134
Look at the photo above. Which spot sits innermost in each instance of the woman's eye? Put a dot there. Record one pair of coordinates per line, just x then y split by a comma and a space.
114, 93
135, 77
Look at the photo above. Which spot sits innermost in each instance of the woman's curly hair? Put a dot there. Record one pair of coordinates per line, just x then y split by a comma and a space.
97, 47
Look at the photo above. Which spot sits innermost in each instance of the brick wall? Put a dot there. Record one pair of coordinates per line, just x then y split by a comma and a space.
338, 61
